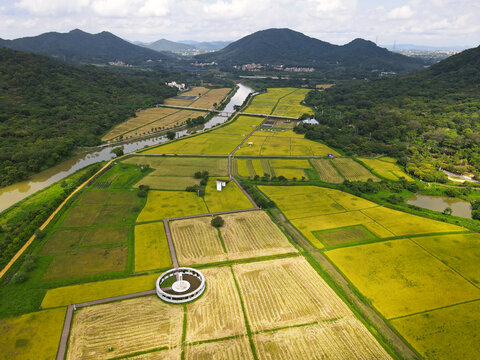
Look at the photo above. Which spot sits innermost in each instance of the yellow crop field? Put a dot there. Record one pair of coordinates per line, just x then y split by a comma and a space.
230, 349
141, 118
254, 148
208, 99
402, 224
289, 164
344, 338
265, 103
291, 173
195, 91
257, 167
290, 105
168, 182
461, 252
128, 326
169, 354
242, 125
386, 168
286, 292
352, 170
326, 171
230, 198
151, 247
169, 204
273, 145
251, 234
242, 168
444, 334
32, 336
196, 241
400, 278
218, 313
75, 294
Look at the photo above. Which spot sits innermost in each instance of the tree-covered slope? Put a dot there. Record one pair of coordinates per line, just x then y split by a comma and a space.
432, 116
48, 108
288, 47
80, 46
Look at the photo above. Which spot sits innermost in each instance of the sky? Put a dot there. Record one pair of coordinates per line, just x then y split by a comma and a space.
419, 22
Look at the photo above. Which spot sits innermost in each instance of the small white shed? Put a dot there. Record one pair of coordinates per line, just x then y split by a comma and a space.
221, 184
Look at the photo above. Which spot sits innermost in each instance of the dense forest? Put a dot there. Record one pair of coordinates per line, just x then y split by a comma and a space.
429, 119
48, 108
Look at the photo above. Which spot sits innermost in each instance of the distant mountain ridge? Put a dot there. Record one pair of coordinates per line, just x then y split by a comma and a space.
288, 47
188, 47
82, 47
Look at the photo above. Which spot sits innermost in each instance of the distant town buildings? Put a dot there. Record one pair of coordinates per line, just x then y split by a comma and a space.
259, 67
118, 63
196, 63
249, 67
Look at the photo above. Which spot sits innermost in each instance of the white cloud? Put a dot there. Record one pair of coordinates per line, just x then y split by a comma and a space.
403, 12
52, 7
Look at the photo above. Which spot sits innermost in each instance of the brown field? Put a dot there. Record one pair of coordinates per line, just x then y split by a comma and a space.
286, 292
344, 338
196, 241
128, 326
141, 118
218, 313
170, 354
252, 234
231, 349
210, 98
196, 91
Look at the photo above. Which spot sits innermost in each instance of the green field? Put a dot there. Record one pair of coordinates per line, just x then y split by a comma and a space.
345, 235
352, 170
169, 204
230, 198
119, 176
384, 167
326, 171
32, 336
151, 247
290, 105
266, 102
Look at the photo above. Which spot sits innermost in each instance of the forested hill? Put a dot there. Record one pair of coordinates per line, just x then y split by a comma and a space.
288, 47
435, 113
48, 108
82, 47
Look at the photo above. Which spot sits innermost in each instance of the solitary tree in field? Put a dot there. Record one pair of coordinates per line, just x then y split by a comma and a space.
217, 221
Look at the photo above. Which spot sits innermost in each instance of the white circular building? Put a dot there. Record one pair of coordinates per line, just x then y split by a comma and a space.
180, 285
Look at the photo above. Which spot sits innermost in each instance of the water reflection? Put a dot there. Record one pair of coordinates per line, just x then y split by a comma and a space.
459, 207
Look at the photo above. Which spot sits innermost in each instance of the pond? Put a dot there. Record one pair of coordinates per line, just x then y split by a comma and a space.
459, 207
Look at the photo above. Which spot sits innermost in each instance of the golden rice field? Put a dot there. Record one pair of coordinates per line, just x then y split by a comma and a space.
444, 334
142, 118
352, 170
214, 96
343, 338
75, 294
384, 167
326, 171
196, 241
290, 105
32, 336
195, 91
288, 168
128, 326
231, 349
230, 198
286, 292
242, 125
151, 247
244, 235
400, 278
169, 204
265, 103
218, 313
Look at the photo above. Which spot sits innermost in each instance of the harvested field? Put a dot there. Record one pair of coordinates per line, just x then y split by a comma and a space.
230, 198
170, 354
253, 234
218, 313
75, 294
151, 247
141, 118
444, 334
344, 338
128, 326
196, 91
386, 168
400, 278
32, 336
352, 170
214, 96
326, 171
88, 261
196, 241
168, 204
231, 349
286, 292
345, 235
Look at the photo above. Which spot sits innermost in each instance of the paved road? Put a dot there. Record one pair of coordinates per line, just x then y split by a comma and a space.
173, 254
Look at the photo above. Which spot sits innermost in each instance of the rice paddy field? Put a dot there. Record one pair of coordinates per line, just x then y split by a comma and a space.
229, 199
326, 171
385, 168
352, 170
32, 336
244, 235
176, 173
197, 91
151, 248
266, 102
290, 105
214, 96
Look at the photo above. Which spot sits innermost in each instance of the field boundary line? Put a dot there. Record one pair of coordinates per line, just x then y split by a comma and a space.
278, 101
52, 215
173, 254
436, 309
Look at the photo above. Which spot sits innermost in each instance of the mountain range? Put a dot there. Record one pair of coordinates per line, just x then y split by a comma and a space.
288, 47
187, 47
82, 47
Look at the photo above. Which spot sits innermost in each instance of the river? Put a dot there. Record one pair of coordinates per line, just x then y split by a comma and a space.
14, 193
459, 207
